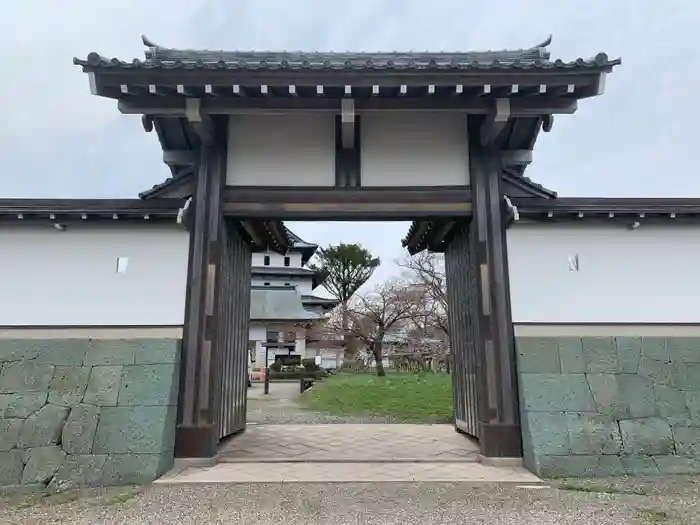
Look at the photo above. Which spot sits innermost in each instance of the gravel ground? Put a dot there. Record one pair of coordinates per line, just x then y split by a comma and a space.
670, 502
280, 407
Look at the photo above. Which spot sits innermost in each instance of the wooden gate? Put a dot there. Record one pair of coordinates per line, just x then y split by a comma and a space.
463, 322
232, 298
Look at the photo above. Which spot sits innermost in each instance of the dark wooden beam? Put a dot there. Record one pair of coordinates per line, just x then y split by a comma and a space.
516, 157
173, 106
524, 79
499, 424
197, 428
346, 203
347, 121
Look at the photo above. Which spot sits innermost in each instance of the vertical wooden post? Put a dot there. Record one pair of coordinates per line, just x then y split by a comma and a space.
499, 425
197, 432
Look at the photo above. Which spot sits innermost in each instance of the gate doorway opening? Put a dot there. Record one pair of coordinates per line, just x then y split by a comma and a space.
396, 324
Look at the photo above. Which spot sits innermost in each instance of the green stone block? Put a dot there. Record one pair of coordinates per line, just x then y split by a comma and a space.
607, 395
157, 351
655, 348
547, 433
63, 352
42, 464
686, 376
538, 355
592, 435
43, 428
25, 376
601, 354
103, 386
103, 352
9, 433
135, 469
68, 385
640, 465
677, 465
646, 437
629, 352
149, 385
135, 430
11, 467
79, 471
79, 429
657, 371
638, 394
17, 350
579, 466
571, 356
21, 405
692, 400
684, 349
687, 441
670, 402
556, 393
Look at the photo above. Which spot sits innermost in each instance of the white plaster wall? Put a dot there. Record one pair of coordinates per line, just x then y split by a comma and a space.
414, 149
281, 150
69, 278
277, 260
647, 275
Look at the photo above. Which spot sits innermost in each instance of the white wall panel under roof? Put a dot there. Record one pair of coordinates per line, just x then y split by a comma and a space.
281, 150
414, 148
605, 273
98, 274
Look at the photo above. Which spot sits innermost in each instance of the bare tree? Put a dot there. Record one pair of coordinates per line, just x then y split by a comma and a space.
427, 270
374, 314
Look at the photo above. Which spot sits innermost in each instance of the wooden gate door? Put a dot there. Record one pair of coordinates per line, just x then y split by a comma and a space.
463, 322
232, 304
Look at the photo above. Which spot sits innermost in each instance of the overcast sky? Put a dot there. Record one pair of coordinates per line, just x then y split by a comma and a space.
56, 140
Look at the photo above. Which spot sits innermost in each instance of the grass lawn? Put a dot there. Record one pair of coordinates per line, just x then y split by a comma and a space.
403, 398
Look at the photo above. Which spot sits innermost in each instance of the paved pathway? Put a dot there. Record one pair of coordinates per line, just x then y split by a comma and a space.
349, 443
349, 473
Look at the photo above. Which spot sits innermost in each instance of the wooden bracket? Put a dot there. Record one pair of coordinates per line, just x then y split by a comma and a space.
495, 122
180, 157
201, 123
347, 122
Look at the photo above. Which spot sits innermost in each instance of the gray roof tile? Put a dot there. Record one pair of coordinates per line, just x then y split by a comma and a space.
157, 57
278, 303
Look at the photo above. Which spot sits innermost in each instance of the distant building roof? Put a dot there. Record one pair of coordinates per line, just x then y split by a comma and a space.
326, 302
278, 303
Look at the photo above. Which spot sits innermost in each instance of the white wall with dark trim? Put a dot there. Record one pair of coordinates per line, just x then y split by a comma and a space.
604, 273
71, 278
403, 148
281, 150
414, 148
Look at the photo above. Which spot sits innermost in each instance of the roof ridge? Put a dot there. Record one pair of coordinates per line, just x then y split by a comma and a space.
153, 48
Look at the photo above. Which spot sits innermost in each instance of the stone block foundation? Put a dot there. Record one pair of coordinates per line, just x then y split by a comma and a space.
86, 411
610, 405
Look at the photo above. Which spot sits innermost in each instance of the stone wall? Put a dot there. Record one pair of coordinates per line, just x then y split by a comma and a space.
605, 406
79, 412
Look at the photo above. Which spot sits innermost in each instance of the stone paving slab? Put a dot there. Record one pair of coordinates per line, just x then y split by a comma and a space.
349, 443
349, 473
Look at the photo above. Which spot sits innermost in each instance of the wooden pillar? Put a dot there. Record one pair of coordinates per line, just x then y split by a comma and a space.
197, 430
499, 418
